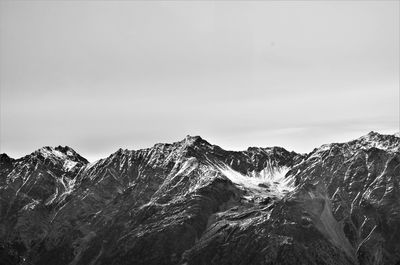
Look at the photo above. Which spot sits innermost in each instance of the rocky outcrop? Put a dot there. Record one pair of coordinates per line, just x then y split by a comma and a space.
192, 202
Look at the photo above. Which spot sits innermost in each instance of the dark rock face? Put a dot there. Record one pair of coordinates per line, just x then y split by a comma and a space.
362, 182
191, 202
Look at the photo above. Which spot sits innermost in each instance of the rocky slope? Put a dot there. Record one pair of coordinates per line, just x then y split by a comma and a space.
191, 202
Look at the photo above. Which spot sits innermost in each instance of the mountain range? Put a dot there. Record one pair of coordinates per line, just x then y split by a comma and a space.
192, 202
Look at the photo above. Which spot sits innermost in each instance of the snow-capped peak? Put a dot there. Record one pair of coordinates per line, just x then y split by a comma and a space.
386, 142
373, 139
61, 155
48, 152
193, 140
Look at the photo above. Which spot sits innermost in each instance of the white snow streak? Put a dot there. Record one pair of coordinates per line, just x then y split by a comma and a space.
265, 183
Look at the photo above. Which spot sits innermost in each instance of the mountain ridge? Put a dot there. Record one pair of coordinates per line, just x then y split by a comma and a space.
196, 138
192, 202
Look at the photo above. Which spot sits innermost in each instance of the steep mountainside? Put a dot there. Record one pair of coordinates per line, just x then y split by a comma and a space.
191, 202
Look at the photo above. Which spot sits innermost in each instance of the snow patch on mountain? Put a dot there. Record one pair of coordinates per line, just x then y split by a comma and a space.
188, 166
68, 164
262, 184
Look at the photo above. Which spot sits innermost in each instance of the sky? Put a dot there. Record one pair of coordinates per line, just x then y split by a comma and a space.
103, 75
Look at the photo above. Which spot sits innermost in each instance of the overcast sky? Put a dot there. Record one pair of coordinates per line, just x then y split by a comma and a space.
100, 75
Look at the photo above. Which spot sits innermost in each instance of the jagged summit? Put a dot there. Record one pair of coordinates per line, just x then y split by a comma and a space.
376, 135
59, 153
65, 156
189, 140
387, 142
193, 138
194, 141
4, 157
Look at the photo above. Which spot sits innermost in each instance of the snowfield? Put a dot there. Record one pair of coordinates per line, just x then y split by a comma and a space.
262, 184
